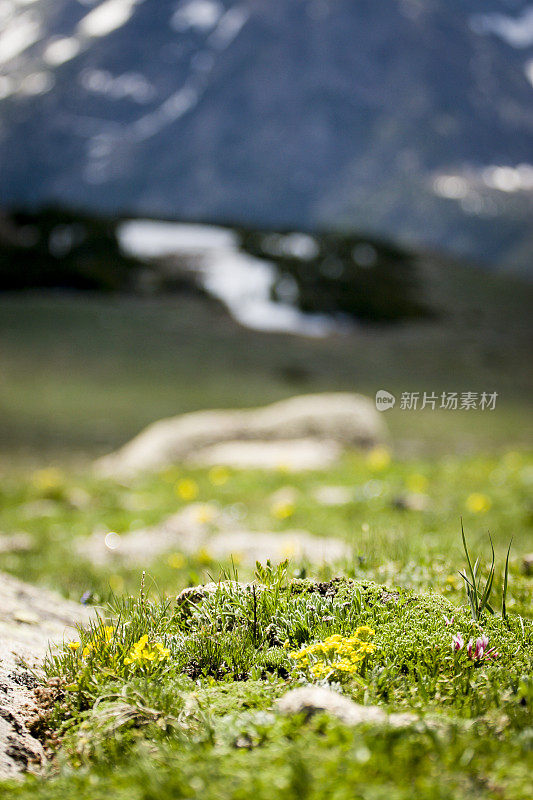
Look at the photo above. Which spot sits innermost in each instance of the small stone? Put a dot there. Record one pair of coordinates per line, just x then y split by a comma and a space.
312, 699
16, 542
412, 502
286, 495
527, 564
26, 616
333, 495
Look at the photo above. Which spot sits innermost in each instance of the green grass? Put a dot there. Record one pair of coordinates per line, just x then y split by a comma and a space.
421, 549
199, 721
80, 375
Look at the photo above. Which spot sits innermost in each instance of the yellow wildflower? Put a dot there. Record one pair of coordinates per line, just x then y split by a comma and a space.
336, 656
417, 483
218, 476
144, 654
187, 489
163, 651
366, 647
282, 510
49, 479
379, 458
364, 633
478, 503
176, 560
204, 556
73, 645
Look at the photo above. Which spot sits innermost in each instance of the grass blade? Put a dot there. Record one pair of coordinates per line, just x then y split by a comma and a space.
472, 573
505, 576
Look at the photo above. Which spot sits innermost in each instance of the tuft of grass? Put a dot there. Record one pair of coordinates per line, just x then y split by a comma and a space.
479, 595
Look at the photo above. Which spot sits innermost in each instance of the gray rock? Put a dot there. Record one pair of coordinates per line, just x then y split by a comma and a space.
195, 594
31, 619
339, 420
293, 455
312, 699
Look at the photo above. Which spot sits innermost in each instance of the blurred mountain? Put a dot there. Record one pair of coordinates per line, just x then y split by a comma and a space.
410, 119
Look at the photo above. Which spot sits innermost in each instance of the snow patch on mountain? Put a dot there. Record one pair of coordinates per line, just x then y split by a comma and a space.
201, 15
59, 51
107, 17
20, 32
243, 283
516, 31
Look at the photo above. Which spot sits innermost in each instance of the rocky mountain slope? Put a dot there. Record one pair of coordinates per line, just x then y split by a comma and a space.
401, 118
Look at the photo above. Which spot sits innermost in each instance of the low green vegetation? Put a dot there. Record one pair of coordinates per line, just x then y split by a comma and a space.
166, 698
162, 698
53, 512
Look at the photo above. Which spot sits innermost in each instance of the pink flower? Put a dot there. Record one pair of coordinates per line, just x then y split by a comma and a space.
449, 620
458, 642
481, 646
481, 649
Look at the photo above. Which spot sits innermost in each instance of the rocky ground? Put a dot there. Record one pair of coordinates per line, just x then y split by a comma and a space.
32, 620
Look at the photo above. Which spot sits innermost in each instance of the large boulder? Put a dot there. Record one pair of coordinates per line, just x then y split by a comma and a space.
31, 620
341, 419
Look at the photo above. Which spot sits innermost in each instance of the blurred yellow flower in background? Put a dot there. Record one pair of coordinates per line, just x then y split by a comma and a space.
282, 510
289, 549
478, 503
512, 459
204, 556
187, 489
218, 475
417, 482
169, 474
379, 458
176, 560
48, 480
